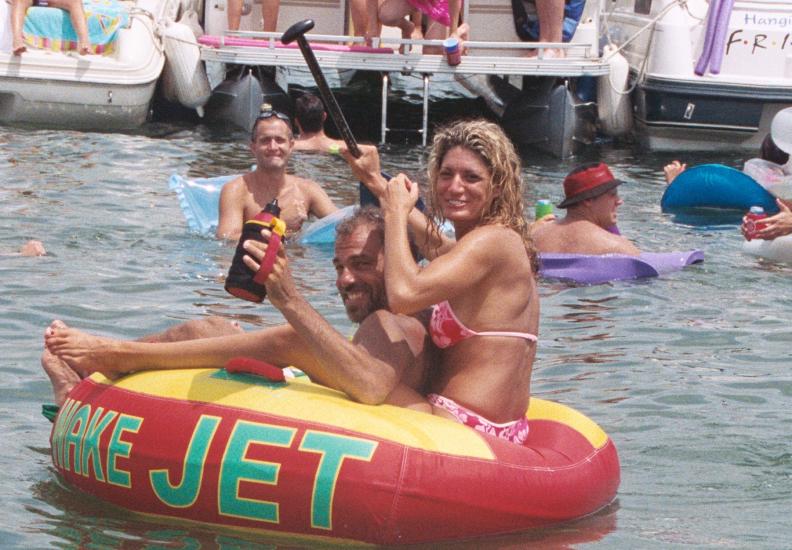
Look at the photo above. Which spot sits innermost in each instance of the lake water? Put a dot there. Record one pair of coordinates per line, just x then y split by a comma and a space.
688, 373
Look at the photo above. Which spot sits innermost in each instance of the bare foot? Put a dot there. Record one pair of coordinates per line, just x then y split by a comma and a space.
83, 352
19, 46
63, 379
407, 29
547, 53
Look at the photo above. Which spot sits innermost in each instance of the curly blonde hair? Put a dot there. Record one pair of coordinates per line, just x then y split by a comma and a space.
496, 150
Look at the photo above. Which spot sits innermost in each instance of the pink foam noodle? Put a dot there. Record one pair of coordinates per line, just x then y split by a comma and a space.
219, 41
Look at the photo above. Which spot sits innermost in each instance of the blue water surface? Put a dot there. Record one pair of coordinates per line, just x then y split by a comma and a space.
689, 373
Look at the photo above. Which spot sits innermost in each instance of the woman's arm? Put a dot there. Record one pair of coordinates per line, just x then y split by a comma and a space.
367, 170
411, 288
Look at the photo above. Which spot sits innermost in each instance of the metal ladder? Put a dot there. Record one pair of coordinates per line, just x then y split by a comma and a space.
384, 129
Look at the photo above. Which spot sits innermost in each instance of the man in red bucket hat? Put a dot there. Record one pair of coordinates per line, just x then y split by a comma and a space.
591, 198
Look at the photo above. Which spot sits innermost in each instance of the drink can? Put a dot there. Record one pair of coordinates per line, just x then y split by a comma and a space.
452, 51
543, 208
752, 223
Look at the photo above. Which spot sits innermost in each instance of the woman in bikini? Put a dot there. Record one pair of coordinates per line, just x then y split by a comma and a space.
442, 18
482, 289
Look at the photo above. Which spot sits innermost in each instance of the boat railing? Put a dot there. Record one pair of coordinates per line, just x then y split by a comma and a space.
349, 52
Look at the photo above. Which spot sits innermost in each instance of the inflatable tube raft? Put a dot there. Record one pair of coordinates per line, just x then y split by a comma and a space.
777, 250
295, 458
592, 270
715, 186
199, 199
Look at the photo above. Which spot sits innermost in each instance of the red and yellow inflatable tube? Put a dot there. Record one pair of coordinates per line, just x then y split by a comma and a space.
299, 459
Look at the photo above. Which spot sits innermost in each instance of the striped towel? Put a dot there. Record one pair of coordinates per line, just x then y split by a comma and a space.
51, 28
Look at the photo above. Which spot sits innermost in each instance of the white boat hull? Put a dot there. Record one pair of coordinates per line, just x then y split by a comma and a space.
87, 92
730, 109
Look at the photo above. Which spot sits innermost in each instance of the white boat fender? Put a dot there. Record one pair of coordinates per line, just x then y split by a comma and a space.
776, 250
184, 75
614, 107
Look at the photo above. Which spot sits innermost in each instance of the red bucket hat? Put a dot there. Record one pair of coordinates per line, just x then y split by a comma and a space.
586, 182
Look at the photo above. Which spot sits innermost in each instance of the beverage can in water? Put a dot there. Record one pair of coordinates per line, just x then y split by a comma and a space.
241, 281
543, 208
752, 223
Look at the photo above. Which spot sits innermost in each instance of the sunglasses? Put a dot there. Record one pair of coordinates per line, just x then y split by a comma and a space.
267, 114
273, 113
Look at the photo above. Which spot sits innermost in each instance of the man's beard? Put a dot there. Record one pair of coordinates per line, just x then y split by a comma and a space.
374, 301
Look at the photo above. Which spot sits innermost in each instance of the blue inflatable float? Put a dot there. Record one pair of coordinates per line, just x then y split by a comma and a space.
199, 199
715, 187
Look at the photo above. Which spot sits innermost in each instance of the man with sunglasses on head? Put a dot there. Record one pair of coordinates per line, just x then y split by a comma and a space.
591, 198
271, 142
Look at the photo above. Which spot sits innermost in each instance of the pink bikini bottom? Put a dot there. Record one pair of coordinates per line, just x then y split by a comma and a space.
516, 431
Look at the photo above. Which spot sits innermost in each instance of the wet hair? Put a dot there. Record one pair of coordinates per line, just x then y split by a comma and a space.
309, 112
771, 152
495, 149
370, 216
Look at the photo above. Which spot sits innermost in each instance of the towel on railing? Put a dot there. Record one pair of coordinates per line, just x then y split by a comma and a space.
51, 28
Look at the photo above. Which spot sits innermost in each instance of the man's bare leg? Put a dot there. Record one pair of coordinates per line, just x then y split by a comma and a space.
551, 25
269, 13
18, 10
63, 377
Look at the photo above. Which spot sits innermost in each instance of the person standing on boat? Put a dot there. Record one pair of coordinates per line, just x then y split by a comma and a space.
309, 117
271, 143
443, 18
76, 13
591, 198
269, 14
481, 288
385, 362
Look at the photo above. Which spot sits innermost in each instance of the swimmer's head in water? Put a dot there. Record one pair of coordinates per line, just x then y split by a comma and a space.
587, 181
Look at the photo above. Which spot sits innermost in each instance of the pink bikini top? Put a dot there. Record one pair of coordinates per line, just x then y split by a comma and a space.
446, 330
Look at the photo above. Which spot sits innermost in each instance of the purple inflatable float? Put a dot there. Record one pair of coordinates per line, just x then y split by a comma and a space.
592, 270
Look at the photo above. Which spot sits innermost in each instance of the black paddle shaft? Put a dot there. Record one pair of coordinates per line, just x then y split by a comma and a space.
297, 32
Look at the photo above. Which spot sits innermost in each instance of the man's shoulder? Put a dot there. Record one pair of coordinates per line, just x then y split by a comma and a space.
406, 323
236, 185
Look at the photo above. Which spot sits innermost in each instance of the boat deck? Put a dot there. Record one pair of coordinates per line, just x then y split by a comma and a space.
485, 58
340, 52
